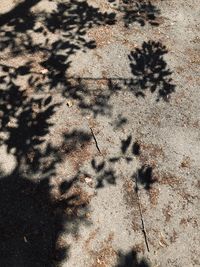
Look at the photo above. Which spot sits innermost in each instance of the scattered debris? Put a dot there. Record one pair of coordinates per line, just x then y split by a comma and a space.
162, 241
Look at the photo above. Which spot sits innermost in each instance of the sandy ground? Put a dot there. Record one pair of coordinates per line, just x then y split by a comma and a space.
123, 121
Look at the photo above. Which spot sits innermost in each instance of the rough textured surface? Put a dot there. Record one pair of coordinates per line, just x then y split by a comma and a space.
129, 82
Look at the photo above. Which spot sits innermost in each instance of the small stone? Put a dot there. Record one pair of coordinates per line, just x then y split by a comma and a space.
44, 71
69, 103
88, 180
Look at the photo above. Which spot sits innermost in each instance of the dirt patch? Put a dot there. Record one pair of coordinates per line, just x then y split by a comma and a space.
105, 255
103, 35
154, 195
151, 154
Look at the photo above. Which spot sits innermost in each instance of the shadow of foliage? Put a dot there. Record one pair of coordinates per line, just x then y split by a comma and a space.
144, 174
23, 31
119, 122
145, 177
32, 218
104, 173
130, 260
15, 26
53, 37
150, 70
144, 12
125, 144
72, 20
137, 11
106, 170
32, 221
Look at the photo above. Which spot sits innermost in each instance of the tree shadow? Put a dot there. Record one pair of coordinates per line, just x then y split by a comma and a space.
150, 71
141, 12
119, 122
32, 221
53, 37
18, 12
144, 12
29, 223
15, 27
104, 173
72, 20
144, 176
25, 32
32, 216
130, 260
25, 120
106, 170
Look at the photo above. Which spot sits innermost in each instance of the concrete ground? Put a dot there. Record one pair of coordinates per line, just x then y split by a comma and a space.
100, 140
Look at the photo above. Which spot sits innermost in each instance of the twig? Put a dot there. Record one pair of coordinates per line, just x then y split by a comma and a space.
95, 140
141, 215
